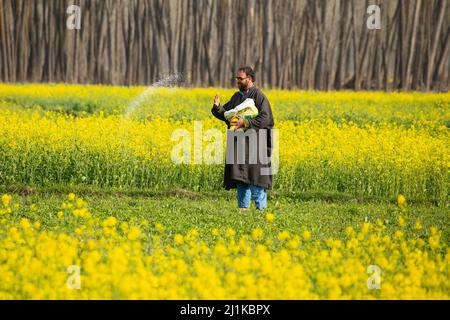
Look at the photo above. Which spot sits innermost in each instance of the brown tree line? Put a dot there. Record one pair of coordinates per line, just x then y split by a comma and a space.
309, 44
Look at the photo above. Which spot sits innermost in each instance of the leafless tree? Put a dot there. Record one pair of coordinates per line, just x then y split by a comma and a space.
309, 44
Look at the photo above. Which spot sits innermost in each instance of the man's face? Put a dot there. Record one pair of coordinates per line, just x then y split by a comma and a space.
242, 80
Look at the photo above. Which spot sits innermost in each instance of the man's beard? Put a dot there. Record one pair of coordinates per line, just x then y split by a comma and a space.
242, 86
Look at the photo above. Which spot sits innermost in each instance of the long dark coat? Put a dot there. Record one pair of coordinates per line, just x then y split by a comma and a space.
249, 173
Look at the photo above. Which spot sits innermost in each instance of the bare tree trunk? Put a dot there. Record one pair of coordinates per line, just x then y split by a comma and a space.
309, 44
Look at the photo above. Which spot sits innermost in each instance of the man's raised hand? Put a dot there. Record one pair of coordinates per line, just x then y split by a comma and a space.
217, 100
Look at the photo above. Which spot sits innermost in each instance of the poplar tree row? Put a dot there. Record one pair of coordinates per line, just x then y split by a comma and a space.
308, 44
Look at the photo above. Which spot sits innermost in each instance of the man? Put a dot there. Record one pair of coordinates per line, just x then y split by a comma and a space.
250, 179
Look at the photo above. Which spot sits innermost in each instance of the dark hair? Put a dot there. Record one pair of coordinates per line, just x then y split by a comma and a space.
249, 72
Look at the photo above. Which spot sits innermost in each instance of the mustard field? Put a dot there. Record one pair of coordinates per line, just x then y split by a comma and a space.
99, 201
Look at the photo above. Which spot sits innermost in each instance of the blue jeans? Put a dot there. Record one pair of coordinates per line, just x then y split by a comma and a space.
247, 191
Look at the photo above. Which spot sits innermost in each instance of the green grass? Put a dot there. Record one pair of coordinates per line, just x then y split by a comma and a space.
180, 211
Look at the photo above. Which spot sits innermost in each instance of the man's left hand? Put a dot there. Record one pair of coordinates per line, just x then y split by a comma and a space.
238, 123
